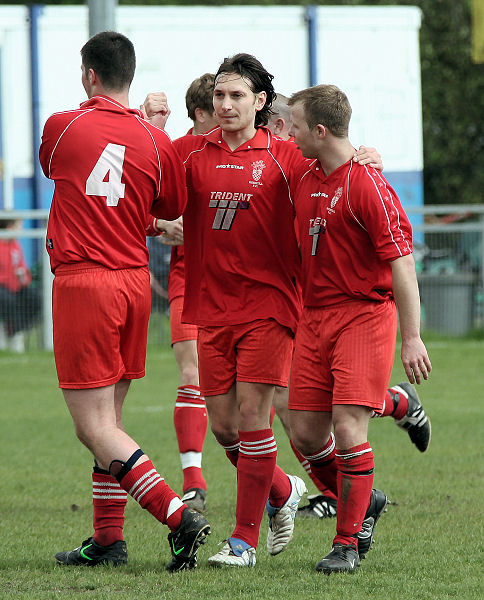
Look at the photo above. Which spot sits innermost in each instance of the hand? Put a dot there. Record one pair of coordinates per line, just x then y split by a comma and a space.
173, 232
368, 156
155, 109
415, 359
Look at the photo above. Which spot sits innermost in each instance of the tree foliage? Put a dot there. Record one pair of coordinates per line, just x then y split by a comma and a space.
452, 93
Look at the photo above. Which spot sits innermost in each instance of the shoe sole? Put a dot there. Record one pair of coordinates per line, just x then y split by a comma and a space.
182, 563
301, 489
411, 391
111, 559
221, 565
200, 539
318, 510
196, 505
328, 571
376, 518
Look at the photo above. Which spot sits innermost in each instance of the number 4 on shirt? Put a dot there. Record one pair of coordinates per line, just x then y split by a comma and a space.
105, 178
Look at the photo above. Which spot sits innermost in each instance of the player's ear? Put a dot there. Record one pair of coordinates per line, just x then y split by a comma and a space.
321, 130
278, 126
200, 115
260, 100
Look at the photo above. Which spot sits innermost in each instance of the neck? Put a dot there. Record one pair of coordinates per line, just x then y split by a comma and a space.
336, 154
122, 97
235, 139
199, 128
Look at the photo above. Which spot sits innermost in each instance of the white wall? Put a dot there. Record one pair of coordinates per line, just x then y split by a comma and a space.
370, 52
174, 45
15, 102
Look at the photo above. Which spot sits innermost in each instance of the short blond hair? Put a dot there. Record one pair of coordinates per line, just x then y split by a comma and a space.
200, 95
325, 105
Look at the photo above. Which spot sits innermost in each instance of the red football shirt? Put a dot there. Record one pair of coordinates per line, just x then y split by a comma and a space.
111, 168
351, 225
241, 255
14, 273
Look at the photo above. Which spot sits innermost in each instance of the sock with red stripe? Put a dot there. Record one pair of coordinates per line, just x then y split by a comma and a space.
190, 420
281, 486
280, 489
355, 481
395, 405
398, 403
255, 469
108, 501
306, 465
149, 489
323, 465
232, 452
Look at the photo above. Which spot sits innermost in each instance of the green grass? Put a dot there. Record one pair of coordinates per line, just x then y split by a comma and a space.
428, 545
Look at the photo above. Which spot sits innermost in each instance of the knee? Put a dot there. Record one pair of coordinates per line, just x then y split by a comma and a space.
303, 443
351, 427
224, 433
91, 436
189, 375
85, 436
308, 441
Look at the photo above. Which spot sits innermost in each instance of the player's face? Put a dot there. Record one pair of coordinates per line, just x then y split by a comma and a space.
235, 103
303, 136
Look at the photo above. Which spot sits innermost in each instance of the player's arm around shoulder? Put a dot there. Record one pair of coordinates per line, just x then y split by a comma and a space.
415, 358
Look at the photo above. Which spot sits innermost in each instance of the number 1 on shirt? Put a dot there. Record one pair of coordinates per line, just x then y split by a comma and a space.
110, 165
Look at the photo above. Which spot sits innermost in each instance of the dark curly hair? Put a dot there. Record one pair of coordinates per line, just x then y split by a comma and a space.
248, 67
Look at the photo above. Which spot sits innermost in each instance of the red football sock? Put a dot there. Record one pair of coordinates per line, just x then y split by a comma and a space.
232, 452
395, 404
255, 469
108, 501
323, 465
149, 489
280, 488
306, 465
190, 420
399, 402
355, 481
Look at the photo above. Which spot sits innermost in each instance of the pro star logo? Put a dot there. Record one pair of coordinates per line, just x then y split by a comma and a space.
257, 167
334, 200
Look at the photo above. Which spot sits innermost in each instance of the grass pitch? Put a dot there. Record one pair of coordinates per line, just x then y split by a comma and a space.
429, 544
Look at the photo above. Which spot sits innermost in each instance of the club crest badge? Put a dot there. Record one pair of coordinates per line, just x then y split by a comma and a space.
334, 200
257, 168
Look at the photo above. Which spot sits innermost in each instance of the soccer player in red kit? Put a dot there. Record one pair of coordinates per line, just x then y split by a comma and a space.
401, 401
241, 262
110, 168
357, 269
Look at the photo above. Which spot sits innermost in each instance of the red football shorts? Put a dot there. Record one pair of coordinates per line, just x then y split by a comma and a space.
100, 324
343, 355
255, 352
180, 332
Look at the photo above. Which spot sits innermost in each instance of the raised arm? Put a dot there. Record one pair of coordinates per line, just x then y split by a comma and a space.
155, 109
